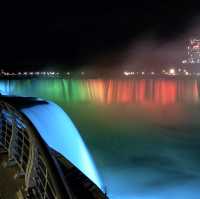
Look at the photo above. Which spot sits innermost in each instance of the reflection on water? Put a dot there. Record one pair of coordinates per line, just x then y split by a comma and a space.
142, 151
107, 91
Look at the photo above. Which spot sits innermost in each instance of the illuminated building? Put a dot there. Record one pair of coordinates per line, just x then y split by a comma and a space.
193, 52
42, 155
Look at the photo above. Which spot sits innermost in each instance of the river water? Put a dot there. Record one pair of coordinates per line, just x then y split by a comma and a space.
144, 135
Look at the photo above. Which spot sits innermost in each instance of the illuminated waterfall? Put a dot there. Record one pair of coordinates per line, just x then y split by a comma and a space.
106, 91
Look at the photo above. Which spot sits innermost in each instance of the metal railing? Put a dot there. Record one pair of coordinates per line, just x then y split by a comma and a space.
47, 175
23, 152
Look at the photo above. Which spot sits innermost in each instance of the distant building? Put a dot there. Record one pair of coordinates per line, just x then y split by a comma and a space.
193, 52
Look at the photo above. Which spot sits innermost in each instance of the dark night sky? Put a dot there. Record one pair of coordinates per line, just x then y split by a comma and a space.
77, 33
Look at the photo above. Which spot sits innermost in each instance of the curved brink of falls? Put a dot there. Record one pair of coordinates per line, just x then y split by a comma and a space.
58, 131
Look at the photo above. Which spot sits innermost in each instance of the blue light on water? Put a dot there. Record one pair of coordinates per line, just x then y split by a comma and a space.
4, 87
58, 131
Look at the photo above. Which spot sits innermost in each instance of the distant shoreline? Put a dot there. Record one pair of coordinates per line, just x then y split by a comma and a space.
166, 77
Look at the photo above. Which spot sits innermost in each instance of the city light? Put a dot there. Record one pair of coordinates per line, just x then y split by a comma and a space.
125, 73
167, 72
129, 73
172, 71
184, 61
